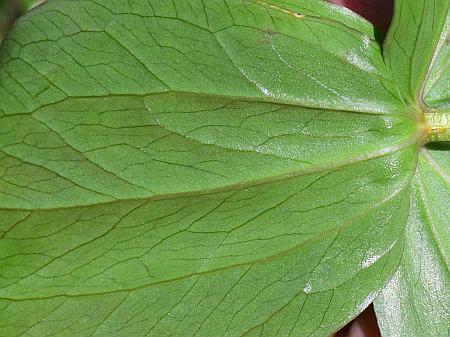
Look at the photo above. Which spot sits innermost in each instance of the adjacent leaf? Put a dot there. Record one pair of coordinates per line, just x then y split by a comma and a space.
411, 44
436, 89
416, 301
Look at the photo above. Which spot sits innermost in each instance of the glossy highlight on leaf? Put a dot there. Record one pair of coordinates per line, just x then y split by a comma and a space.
222, 168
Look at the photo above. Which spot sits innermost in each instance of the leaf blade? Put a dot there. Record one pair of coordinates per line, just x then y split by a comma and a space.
435, 90
410, 45
215, 244
416, 300
82, 229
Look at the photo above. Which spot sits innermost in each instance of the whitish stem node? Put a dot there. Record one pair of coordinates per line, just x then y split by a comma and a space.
437, 126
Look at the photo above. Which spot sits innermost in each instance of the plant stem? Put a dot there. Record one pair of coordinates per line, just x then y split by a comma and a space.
437, 126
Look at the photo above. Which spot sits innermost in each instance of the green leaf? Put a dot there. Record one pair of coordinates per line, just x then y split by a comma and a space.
193, 168
412, 44
416, 300
436, 89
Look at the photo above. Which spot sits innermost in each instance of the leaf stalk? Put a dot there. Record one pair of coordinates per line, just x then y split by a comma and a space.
437, 126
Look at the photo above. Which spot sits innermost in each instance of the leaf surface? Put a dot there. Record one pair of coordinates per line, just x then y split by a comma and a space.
416, 300
412, 45
436, 88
